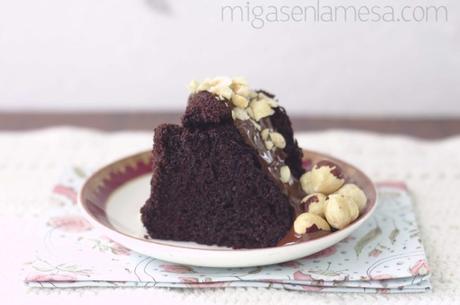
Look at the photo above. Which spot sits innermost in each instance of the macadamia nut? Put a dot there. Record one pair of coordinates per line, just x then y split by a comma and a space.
242, 90
306, 221
285, 174
240, 101
340, 211
265, 133
268, 144
240, 114
325, 177
278, 140
261, 109
355, 193
314, 203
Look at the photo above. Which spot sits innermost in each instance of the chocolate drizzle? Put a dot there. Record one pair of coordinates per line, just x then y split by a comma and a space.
272, 160
291, 237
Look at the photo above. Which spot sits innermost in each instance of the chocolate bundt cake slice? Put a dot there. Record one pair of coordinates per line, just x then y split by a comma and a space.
225, 176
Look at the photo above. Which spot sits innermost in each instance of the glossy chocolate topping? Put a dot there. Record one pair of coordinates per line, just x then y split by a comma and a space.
271, 161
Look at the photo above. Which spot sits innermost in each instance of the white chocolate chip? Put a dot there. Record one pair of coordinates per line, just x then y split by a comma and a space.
265, 133
340, 211
285, 174
305, 221
355, 193
239, 101
261, 109
240, 114
316, 203
278, 139
321, 180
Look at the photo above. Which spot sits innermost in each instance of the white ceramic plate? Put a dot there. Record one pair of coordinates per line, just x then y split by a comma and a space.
111, 198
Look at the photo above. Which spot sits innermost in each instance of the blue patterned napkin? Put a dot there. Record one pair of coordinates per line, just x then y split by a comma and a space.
385, 255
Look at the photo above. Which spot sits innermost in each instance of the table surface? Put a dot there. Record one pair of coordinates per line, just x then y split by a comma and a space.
31, 163
428, 128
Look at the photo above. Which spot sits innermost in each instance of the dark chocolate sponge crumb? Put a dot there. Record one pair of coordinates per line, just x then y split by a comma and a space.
204, 110
209, 186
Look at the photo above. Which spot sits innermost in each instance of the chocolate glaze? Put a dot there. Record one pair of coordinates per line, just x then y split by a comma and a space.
272, 161
292, 237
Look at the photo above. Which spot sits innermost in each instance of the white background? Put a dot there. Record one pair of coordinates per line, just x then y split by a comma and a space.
140, 54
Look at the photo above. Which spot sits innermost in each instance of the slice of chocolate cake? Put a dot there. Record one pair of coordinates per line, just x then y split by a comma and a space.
225, 177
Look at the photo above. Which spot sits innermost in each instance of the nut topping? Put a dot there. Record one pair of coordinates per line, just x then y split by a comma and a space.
285, 174
329, 201
278, 139
242, 90
307, 222
265, 134
340, 211
323, 178
261, 109
240, 114
240, 101
268, 144
222, 91
315, 204
355, 193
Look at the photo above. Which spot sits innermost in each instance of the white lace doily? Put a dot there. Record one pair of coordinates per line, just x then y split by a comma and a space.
31, 162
